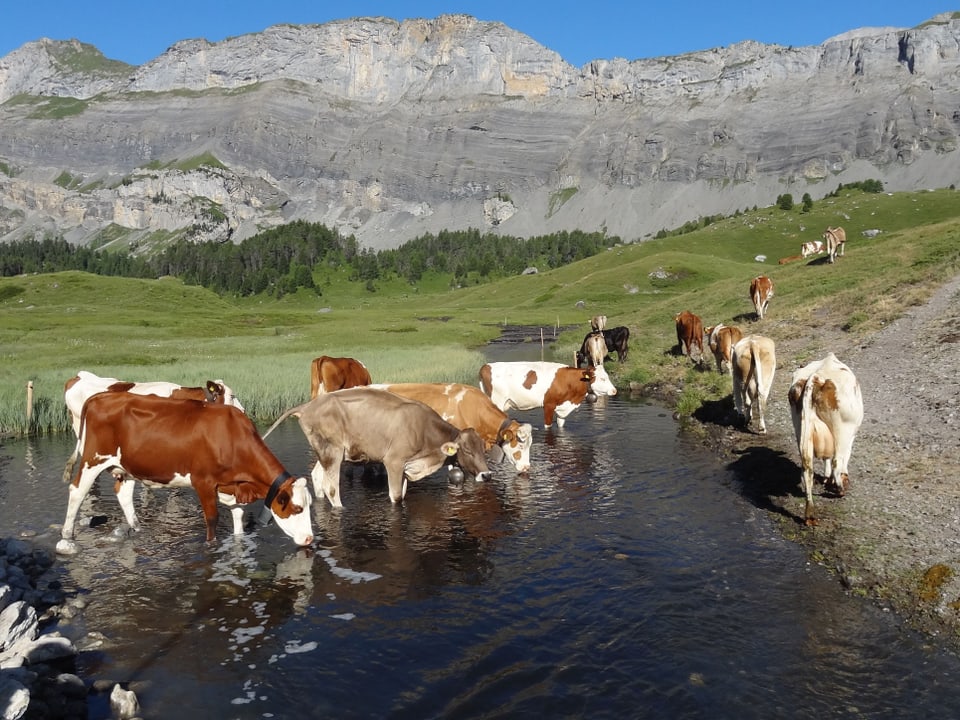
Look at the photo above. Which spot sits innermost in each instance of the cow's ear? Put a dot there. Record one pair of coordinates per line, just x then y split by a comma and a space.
213, 391
586, 377
450, 448
506, 436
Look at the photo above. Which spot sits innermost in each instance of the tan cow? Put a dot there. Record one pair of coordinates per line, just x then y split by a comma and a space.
465, 406
328, 374
761, 290
689, 334
721, 339
598, 323
835, 238
827, 409
753, 361
596, 348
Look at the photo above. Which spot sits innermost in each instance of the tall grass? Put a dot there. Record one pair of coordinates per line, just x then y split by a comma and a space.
55, 324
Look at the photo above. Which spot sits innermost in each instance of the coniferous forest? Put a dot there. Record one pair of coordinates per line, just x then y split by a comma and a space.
283, 259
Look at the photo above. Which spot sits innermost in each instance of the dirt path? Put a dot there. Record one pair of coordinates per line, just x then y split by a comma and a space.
895, 537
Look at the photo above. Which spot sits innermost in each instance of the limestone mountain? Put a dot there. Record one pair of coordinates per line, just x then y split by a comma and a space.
387, 130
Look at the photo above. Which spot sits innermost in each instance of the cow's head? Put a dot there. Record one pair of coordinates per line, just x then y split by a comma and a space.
601, 383
471, 454
515, 439
288, 501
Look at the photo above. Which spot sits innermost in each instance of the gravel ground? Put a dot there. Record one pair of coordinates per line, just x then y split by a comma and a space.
895, 536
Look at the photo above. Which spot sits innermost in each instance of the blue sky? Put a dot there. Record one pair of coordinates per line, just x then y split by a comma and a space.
579, 30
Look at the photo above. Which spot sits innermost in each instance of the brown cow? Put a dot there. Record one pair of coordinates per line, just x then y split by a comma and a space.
761, 290
328, 374
215, 449
369, 425
84, 384
689, 334
466, 406
721, 339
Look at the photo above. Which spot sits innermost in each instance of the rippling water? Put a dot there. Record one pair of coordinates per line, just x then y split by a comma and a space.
625, 577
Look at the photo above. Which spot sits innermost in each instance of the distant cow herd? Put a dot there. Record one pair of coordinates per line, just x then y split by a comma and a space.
164, 434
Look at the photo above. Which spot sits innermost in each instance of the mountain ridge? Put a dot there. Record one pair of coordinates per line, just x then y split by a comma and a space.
388, 129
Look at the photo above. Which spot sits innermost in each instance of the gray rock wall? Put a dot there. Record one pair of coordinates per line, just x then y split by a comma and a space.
389, 129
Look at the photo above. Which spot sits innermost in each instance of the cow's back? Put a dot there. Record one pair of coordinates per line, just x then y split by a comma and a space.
329, 374
520, 385
460, 405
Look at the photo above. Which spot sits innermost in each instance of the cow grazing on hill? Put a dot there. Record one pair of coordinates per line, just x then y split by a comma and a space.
465, 407
721, 339
835, 238
814, 247
753, 361
215, 449
369, 425
761, 290
78, 389
328, 374
827, 409
557, 388
689, 334
598, 323
617, 341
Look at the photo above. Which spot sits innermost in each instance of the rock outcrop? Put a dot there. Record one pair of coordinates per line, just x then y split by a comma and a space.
386, 130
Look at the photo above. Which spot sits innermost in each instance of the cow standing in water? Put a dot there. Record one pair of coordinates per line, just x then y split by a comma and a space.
369, 425
559, 389
215, 449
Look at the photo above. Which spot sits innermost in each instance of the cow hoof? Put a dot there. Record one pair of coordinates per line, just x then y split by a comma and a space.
811, 522
67, 547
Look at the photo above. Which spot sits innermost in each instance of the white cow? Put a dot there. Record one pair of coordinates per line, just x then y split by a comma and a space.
753, 362
827, 410
835, 238
557, 388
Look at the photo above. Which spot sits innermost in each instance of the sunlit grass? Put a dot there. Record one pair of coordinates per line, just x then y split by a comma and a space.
53, 325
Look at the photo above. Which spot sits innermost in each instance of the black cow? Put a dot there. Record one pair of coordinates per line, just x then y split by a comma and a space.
616, 340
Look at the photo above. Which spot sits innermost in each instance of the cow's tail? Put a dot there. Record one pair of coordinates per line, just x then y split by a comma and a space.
292, 411
78, 448
806, 419
757, 367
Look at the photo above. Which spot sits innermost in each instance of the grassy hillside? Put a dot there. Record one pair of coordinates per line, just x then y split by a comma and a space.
53, 325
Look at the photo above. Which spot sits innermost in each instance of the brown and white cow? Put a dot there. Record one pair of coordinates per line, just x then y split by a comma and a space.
827, 409
215, 449
465, 407
559, 389
721, 339
598, 323
328, 374
689, 334
835, 238
761, 290
754, 362
615, 339
814, 247
78, 389
365, 425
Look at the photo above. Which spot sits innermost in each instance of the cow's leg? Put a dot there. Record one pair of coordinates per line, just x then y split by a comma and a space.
236, 511
396, 481
326, 475
548, 410
810, 517
761, 410
79, 489
124, 490
211, 514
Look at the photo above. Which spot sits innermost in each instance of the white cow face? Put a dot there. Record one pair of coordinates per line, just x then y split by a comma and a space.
602, 384
299, 525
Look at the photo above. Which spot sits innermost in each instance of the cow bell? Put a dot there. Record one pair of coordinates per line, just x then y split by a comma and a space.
591, 397
454, 473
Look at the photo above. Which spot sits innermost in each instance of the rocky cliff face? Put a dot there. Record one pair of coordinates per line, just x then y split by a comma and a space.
388, 129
